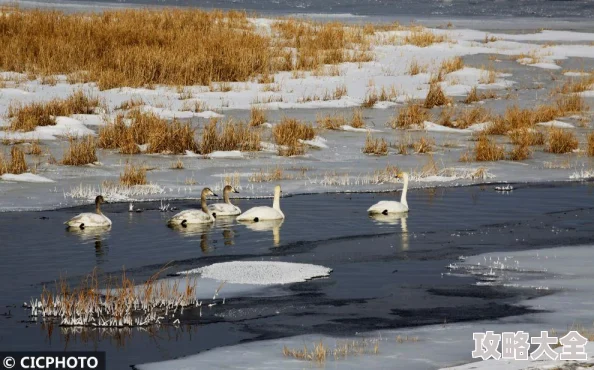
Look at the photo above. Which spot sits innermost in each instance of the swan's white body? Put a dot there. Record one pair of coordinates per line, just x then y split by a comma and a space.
264, 213
191, 216
88, 219
194, 216
385, 207
225, 209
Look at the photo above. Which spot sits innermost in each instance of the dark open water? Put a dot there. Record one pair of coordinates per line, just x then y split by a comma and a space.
391, 8
382, 277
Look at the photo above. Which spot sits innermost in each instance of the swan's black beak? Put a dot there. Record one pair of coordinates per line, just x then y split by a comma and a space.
214, 195
235, 191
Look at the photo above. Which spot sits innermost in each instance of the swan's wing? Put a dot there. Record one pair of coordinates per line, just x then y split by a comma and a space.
260, 213
190, 216
387, 206
224, 209
88, 220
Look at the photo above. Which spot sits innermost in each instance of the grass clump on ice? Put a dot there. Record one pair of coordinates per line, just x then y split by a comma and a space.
257, 116
26, 117
229, 136
133, 175
81, 151
486, 150
331, 121
320, 353
413, 114
375, 146
136, 128
289, 133
17, 163
561, 141
590, 145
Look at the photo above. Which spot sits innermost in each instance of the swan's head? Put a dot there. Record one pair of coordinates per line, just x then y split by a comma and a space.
277, 191
100, 200
206, 192
230, 189
402, 175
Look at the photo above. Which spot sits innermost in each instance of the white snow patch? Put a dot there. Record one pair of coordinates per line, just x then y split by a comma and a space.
576, 74
555, 123
226, 154
355, 129
430, 126
545, 65
25, 177
260, 272
316, 142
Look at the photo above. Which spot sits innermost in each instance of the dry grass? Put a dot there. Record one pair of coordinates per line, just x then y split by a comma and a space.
291, 130
526, 137
276, 173
257, 116
488, 76
590, 145
26, 117
80, 152
177, 47
34, 148
331, 121
147, 128
177, 165
469, 117
375, 146
422, 37
436, 97
423, 145
133, 175
229, 136
16, 165
342, 350
452, 65
520, 152
130, 104
571, 104
474, 96
577, 85
411, 114
414, 68
357, 120
487, 150
561, 141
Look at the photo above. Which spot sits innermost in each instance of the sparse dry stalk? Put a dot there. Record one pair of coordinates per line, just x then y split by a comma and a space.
590, 144
133, 175
34, 148
520, 152
452, 65
177, 165
561, 141
375, 146
474, 96
469, 117
424, 145
81, 151
422, 37
229, 136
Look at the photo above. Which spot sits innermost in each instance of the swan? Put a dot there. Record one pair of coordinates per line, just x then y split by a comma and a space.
385, 207
88, 219
225, 209
194, 216
264, 213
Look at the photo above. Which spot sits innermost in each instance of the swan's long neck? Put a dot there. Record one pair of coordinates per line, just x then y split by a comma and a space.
98, 208
203, 203
226, 196
276, 202
404, 190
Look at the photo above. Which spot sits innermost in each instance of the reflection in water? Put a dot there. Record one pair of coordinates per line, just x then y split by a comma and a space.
228, 235
268, 225
395, 219
191, 230
95, 235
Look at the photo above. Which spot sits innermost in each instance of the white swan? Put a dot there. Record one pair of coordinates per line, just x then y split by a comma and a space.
88, 219
225, 209
194, 216
265, 213
385, 207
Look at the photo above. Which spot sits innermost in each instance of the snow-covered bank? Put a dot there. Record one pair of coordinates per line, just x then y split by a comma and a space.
561, 270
